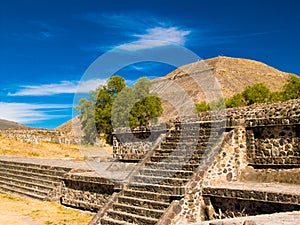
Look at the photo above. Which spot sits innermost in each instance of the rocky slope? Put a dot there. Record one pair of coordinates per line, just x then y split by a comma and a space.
233, 75
6, 124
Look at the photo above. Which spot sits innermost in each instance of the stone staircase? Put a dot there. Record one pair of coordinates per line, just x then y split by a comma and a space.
32, 180
154, 186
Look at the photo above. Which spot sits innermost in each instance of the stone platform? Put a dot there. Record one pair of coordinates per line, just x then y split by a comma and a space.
271, 192
287, 218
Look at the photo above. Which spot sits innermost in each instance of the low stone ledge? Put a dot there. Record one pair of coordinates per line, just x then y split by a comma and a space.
276, 193
286, 218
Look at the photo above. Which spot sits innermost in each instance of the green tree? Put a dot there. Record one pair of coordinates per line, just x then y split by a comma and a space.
258, 93
277, 96
145, 110
136, 106
236, 100
106, 96
217, 104
292, 89
86, 116
202, 107
115, 105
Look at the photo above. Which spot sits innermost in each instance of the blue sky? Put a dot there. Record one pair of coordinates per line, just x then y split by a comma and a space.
47, 45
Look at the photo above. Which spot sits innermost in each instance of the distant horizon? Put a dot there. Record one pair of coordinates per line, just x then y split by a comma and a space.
46, 46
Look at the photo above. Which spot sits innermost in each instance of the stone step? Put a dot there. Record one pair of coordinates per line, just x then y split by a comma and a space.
31, 174
159, 180
157, 188
37, 166
186, 146
33, 169
188, 137
153, 196
172, 166
141, 211
80, 204
131, 218
151, 204
166, 173
15, 190
176, 159
22, 183
32, 179
20, 189
178, 152
202, 134
110, 221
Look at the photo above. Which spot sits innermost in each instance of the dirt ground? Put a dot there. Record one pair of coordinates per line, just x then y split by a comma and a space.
25, 211
11, 147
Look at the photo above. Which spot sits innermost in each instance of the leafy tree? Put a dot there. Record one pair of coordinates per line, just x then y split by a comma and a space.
145, 110
292, 89
86, 116
236, 100
115, 105
217, 104
277, 96
258, 93
136, 106
103, 109
202, 107
122, 106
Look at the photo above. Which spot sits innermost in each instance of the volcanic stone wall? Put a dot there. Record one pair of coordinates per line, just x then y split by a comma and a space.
86, 191
274, 145
39, 135
272, 133
132, 145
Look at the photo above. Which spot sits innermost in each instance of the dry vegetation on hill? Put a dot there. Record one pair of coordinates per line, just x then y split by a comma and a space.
232, 74
13, 147
5, 124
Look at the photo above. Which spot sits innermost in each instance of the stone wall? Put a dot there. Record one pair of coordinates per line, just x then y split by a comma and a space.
258, 114
132, 145
39, 135
230, 161
273, 145
86, 191
233, 207
256, 131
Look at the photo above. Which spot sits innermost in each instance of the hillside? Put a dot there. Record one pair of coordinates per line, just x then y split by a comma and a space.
71, 127
232, 74
6, 124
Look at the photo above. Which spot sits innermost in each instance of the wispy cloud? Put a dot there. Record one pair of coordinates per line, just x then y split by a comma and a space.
141, 32
64, 87
157, 37
30, 113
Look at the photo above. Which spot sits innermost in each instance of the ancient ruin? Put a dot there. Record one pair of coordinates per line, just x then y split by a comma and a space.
235, 163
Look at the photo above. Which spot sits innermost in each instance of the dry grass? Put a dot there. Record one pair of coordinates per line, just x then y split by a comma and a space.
13, 147
23, 211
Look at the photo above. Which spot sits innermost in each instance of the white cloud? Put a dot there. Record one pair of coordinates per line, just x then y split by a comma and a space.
157, 37
89, 85
172, 34
29, 113
64, 87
